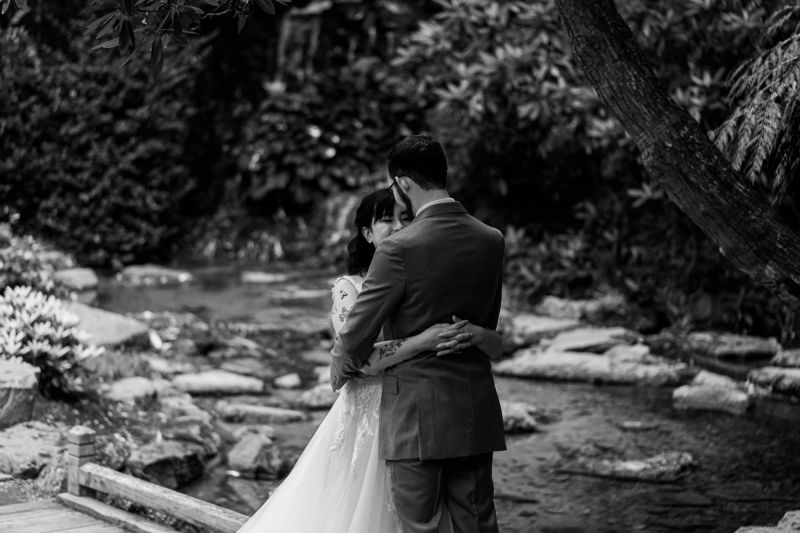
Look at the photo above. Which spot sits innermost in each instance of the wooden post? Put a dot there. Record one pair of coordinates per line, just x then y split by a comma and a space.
81, 451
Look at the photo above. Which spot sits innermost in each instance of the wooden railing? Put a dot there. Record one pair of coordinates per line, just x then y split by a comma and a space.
86, 478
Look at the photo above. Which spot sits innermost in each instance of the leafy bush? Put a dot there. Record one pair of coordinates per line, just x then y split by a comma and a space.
92, 156
36, 328
21, 264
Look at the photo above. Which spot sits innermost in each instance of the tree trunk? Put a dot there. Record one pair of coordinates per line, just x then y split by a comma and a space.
695, 175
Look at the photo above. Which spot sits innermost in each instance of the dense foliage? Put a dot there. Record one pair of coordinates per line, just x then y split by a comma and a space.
93, 157
243, 143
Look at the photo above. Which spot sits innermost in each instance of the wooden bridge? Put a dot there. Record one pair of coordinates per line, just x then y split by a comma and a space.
79, 511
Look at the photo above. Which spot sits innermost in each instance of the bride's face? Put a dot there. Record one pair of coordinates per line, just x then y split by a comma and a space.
386, 225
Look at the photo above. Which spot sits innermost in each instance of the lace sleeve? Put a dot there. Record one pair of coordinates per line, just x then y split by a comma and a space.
343, 294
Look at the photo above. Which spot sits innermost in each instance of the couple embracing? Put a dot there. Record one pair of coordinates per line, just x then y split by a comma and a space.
407, 446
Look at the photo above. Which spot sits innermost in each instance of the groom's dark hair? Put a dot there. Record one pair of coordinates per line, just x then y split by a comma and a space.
422, 159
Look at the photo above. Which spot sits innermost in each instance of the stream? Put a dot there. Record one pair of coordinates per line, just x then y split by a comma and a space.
747, 469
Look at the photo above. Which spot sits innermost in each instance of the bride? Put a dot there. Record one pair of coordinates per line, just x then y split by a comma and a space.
339, 483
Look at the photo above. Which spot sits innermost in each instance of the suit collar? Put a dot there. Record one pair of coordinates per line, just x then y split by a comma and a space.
440, 209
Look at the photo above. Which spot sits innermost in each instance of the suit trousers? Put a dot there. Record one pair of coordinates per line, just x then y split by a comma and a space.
419, 490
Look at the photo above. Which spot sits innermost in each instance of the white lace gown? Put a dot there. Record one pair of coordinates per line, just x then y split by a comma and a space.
339, 484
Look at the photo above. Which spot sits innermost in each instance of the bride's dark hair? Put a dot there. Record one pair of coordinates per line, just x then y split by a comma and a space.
374, 206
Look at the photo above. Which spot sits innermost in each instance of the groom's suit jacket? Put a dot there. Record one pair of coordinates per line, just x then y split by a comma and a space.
444, 263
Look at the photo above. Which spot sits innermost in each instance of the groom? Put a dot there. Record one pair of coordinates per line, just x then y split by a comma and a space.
440, 417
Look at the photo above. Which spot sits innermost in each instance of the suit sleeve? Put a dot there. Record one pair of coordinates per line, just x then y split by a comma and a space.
384, 288
494, 313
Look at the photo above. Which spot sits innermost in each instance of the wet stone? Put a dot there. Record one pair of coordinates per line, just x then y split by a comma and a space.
256, 456
787, 358
288, 381
106, 328
710, 398
169, 463
595, 340
153, 275
249, 366
665, 467
258, 414
729, 345
519, 417
528, 329
77, 279
319, 397
785, 381
790, 521
218, 382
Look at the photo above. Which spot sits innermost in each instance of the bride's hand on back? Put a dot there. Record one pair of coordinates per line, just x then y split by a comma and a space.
456, 337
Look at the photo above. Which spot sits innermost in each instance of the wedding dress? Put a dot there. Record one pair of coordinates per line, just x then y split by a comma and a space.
339, 484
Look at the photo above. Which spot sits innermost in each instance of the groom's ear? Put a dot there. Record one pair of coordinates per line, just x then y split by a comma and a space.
404, 182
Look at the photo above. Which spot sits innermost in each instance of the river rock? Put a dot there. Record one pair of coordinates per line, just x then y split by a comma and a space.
586, 367
218, 382
663, 467
153, 275
261, 429
729, 345
607, 304
289, 381
704, 378
26, 448
135, 389
323, 373
77, 279
182, 408
250, 366
519, 417
710, 398
18, 391
256, 456
787, 358
785, 381
596, 340
319, 356
319, 397
106, 328
257, 414
250, 276
168, 367
168, 463
790, 521
528, 329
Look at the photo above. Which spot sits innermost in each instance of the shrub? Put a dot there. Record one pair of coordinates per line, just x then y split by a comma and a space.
21, 264
92, 155
36, 328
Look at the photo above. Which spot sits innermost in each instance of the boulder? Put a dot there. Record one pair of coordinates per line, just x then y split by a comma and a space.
257, 414
135, 389
318, 397
18, 391
153, 275
26, 448
729, 345
710, 398
784, 381
596, 340
256, 456
288, 381
519, 417
587, 367
787, 358
106, 328
77, 279
182, 408
665, 467
528, 329
241, 432
168, 463
218, 382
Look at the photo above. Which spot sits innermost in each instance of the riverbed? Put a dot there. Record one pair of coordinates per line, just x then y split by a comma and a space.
747, 470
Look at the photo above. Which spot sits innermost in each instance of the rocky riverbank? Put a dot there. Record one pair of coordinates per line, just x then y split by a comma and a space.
177, 397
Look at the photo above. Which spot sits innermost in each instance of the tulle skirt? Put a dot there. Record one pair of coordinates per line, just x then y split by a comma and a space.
339, 484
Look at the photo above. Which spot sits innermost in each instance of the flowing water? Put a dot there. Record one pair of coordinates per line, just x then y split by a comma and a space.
747, 469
